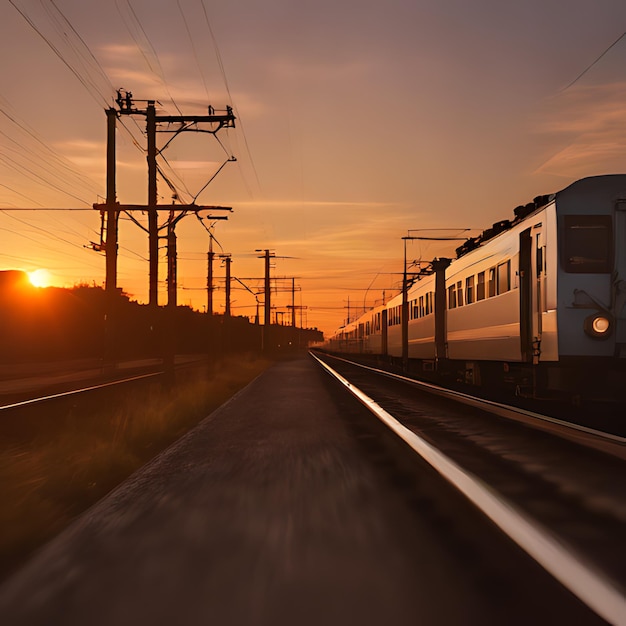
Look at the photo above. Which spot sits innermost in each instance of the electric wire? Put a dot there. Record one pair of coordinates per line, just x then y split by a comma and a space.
62, 162
159, 70
20, 194
43, 166
103, 74
212, 178
36, 177
37, 159
594, 63
43, 230
43, 245
86, 82
84, 72
230, 98
92, 89
193, 48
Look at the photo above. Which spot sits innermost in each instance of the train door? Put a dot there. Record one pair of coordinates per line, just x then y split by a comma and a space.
525, 295
619, 306
532, 273
538, 306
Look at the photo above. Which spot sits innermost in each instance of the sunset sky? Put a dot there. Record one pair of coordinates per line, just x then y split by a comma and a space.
356, 122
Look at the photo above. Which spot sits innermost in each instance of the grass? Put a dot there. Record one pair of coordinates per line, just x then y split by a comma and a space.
64, 463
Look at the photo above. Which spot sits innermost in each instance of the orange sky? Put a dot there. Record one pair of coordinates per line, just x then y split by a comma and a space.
357, 121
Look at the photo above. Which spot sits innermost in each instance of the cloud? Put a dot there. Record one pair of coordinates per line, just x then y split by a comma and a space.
329, 204
312, 70
585, 131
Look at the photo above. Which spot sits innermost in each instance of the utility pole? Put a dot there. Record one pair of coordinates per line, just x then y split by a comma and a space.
267, 255
153, 220
227, 261
438, 266
405, 313
209, 278
268, 290
172, 278
293, 302
210, 258
110, 247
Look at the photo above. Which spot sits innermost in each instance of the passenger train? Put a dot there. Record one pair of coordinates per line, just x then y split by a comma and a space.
534, 305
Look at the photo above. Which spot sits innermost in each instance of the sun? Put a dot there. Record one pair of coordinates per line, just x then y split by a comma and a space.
39, 278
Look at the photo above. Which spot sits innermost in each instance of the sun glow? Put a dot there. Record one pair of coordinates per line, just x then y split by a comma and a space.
39, 278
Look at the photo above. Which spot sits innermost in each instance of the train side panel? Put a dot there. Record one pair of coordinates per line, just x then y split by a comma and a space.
421, 323
483, 304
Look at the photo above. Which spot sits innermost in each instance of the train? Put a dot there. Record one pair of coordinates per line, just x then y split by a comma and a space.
534, 306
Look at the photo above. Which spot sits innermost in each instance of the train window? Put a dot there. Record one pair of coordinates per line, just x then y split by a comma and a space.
452, 297
416, 312
421, 306
459, 293
397, 314
492, 283
469, 290
588, 244
480, 286
504, 277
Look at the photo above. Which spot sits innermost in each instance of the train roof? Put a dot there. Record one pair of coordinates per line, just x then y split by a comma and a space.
582, 188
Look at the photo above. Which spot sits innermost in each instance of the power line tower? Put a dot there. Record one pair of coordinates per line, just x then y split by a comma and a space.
216, 120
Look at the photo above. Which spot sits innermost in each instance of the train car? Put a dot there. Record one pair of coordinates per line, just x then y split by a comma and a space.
345, 340
375, 330
535, 304
421, 321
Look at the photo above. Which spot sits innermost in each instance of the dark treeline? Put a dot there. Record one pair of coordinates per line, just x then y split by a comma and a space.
49, 324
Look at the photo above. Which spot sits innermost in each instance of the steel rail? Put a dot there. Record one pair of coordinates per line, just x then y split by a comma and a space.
607, 443
597, 591
73, 392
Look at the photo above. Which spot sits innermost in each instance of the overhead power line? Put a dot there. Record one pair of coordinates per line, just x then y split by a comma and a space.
594, 63
140, 33
91, 87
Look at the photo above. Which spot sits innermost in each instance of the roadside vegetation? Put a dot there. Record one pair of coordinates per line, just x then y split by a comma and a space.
58, 465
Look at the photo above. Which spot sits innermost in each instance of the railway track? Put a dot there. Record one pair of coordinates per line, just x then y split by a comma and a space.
554, 488
32, 386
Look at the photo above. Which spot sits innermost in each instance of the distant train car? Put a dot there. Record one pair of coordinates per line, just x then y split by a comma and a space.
375, 330
536, 304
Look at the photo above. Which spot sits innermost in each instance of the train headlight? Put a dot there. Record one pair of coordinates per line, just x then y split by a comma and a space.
599, 325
